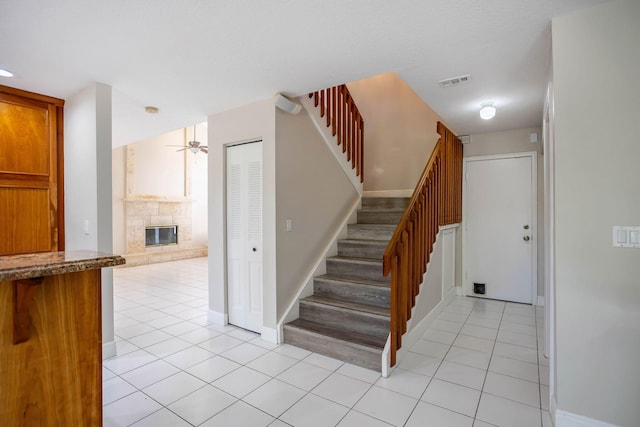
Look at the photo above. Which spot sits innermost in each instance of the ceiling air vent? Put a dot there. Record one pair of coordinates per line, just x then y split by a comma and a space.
455, 80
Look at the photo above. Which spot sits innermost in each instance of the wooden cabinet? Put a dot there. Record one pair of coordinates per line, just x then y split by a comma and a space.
51, 339
31, 172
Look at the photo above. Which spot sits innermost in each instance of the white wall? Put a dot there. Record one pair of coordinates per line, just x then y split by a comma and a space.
314, 193
596, 61
506, 142
199, 193
87, 158
399, 132
248, 123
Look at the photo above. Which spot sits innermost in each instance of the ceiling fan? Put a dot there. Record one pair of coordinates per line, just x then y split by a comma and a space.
193, 146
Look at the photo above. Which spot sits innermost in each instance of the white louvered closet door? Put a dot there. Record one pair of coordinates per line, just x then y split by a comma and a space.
244, 235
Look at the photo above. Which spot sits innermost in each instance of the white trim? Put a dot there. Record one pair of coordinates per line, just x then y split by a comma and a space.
331, 142
386, 359
548, 146
540, 301
568, 419
534, 215
448, 226
306, 288
217, 318
109, 350
413, 336
270, 335
553, 407
459, 291
448, 262
388, 193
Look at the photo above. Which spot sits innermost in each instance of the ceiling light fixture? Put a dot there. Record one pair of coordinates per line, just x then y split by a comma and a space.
5, 73
488, 111
285, 104
151, 110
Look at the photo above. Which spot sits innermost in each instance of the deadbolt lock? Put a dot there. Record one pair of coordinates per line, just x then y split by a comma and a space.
526, 227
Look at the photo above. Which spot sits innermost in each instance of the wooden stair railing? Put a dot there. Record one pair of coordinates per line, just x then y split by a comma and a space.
341, 112
436, 200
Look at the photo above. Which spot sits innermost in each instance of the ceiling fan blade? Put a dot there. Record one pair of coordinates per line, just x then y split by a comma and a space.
204, 149
175, 145
182, 149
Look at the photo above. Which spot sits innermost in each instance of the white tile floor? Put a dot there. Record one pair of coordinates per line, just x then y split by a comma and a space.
478, 365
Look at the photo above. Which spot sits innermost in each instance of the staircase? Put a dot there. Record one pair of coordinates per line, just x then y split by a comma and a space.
348, 315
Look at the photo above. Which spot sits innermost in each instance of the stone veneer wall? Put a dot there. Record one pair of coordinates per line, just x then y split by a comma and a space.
144, 213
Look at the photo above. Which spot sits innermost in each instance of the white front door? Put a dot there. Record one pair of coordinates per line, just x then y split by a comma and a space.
499, 217
244, 235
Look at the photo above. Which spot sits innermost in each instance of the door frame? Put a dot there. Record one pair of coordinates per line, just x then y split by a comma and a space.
225, 225
533, 156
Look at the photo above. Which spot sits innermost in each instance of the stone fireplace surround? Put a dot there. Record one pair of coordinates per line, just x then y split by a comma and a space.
141, 212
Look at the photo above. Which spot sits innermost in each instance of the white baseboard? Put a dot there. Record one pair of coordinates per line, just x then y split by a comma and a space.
459, 291
270, 335
217, 318
540, 301
109, 350
568, 419
388, 193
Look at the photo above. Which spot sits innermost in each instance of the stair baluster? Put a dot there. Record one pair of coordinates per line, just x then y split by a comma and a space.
346, 122
436, 200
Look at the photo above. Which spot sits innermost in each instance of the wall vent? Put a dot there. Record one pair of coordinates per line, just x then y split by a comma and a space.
455, 80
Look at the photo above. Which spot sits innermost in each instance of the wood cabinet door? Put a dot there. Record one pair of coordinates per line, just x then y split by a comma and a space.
31, 182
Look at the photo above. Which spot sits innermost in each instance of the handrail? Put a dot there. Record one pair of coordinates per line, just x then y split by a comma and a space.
436, 200
347, 124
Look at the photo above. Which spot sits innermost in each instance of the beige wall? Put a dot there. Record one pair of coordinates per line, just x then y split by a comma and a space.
400, 132
506, 142
119, 192
293, 191
248, 123
160, 170
314, 193
597, 146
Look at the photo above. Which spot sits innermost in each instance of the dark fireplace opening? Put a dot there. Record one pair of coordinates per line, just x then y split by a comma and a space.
161, 235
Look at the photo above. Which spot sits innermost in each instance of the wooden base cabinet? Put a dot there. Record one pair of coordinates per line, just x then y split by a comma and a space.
51, 350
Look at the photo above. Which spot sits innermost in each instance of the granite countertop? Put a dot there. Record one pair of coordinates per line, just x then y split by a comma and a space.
14, 267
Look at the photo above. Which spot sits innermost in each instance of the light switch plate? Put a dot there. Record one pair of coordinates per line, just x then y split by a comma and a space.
626, 236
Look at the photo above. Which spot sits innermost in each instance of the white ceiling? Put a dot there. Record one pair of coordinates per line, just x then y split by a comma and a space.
192, 58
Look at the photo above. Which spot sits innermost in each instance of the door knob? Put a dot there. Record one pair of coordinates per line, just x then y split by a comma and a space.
526, 238
254, 249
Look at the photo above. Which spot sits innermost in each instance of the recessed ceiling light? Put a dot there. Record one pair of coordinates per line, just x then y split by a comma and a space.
151, 110
5, 73
488, 111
